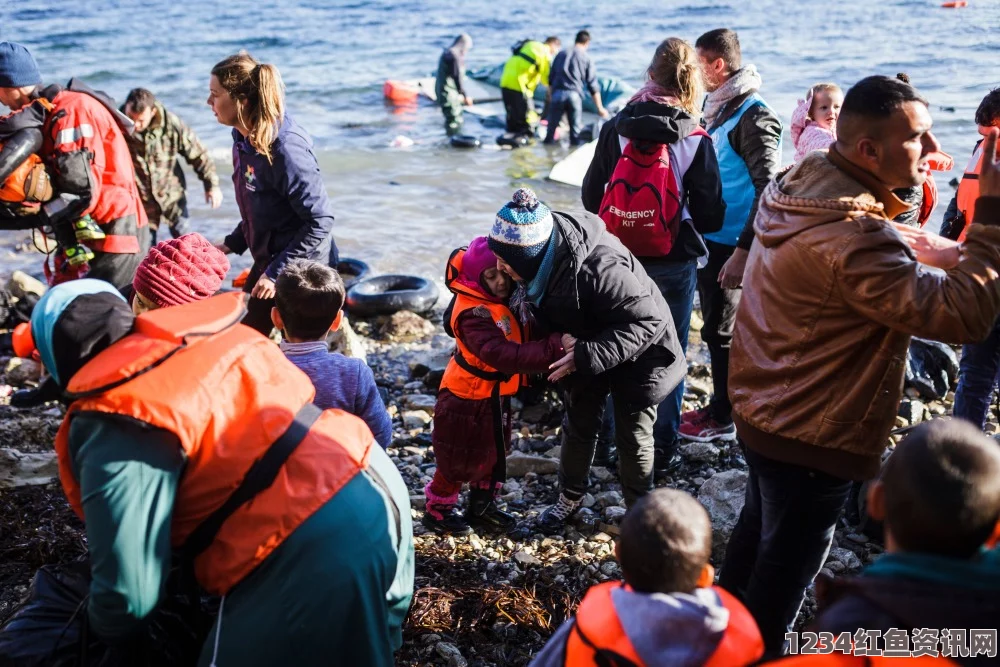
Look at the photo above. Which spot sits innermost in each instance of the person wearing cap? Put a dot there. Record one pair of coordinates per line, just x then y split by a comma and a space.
577, 278
96, 214
163, 426
178, 271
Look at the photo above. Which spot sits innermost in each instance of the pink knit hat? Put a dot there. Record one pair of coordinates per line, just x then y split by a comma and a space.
180, 271
477, 259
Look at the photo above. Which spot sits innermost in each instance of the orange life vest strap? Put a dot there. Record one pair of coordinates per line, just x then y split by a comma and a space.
741, 643
598, 633
603, 657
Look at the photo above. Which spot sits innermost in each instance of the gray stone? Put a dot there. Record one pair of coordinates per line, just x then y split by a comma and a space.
519, 464
588, 500
845, 556
555, 452
723, 497
609, 499
26, 469
835, 566
611, 569
613, 513
19, 372
584, 520
423, 402
405, 325
451, 653
348, 343
524, 558
911, 410
700, 452
533, 414
416, 419
21, 284
602, 474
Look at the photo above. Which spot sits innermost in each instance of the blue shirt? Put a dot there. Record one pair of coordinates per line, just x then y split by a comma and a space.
283, 204
572, 70
344, 383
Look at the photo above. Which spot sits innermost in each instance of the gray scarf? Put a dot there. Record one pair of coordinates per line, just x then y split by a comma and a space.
744, 80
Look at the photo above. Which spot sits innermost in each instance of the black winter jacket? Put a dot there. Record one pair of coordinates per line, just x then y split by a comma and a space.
654, 123
600, 294
756, 139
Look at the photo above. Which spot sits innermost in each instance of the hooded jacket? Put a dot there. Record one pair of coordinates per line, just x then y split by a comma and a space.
831, 297
655, 123
599, 293
911, 591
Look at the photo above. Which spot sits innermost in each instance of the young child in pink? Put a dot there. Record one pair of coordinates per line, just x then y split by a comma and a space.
814, 122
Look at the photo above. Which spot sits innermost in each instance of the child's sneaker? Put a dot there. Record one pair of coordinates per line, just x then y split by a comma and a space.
701, 426
78, 255
444, 520
552, 520
87, 230
483, 513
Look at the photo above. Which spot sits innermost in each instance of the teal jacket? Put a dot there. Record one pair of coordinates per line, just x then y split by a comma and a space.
339, 585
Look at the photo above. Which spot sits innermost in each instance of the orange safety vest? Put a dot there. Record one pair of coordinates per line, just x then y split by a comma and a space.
596, 628
79, 121
968, 189
227, 393
842, 660
467, 376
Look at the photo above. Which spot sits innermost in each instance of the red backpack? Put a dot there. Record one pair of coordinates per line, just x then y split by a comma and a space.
642, 203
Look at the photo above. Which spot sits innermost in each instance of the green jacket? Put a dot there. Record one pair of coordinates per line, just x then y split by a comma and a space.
157, 172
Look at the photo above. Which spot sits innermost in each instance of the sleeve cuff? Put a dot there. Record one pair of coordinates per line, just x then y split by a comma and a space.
987, 211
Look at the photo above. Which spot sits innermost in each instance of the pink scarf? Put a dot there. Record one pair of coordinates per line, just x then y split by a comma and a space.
654, 92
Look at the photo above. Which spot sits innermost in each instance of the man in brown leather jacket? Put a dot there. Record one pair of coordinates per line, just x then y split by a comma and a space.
832, 293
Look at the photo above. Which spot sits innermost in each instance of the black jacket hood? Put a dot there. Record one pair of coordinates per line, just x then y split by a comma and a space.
655, 122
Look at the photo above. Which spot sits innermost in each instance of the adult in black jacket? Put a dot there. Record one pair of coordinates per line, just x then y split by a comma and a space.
665, 111
580, 280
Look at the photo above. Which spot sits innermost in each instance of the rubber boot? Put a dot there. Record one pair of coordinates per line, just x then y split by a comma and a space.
440, 515
483, 513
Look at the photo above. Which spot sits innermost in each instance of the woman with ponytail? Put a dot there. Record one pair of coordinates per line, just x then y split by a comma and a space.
285, 213
664, 112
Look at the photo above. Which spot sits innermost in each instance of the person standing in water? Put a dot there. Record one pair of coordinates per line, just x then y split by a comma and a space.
284, 211
449, 87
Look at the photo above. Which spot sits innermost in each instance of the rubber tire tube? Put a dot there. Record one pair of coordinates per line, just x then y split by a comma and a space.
352, 271
385, 295
465, 141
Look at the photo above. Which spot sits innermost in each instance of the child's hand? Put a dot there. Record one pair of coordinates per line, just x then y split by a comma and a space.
568, 343
562, 368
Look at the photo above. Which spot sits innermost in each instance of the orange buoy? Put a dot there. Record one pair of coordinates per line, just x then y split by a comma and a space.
400, 91
955, 4
241, 280
23, 342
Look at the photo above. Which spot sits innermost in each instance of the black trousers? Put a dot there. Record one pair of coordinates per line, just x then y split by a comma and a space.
718, 309
517, 106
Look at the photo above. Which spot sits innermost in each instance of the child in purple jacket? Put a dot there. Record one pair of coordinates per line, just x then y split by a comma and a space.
308, 300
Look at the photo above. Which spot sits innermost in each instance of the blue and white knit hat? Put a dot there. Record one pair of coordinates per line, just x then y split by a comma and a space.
521, 233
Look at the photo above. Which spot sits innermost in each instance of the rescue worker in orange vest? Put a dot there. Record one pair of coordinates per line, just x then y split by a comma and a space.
172, 411
667, 612
472, 415
96, 213
963, 204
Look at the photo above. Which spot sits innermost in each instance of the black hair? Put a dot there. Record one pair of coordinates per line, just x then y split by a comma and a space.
140, 99
553, 40
722, 43
988, 113
942, 489
308, 296
583, 37
666, 541
878, 97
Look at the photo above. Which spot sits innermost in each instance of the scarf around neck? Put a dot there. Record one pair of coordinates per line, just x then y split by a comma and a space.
744, 80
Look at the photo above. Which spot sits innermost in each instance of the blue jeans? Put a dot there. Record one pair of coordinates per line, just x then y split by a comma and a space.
677, 282
977, 378
568, 102
781, 541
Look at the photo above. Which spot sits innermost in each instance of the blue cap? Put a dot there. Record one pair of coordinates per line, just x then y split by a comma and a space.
17, 66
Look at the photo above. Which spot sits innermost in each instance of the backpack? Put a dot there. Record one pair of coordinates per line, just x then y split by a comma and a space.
642, 201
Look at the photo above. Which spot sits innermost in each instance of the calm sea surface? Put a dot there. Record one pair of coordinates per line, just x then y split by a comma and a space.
403, 210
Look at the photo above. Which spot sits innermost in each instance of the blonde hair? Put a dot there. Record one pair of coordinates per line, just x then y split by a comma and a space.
675, 69
262, 93
821, 88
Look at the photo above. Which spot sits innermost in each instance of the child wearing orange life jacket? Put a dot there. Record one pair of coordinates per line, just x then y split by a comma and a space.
667, 612
814, 121
472, 415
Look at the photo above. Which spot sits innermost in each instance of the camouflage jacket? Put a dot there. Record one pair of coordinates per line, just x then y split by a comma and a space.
158, 173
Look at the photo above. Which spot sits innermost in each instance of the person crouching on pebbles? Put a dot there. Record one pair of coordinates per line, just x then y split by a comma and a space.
621, 340
472, 417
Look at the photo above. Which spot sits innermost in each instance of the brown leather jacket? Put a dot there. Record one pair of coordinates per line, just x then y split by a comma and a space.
831, 296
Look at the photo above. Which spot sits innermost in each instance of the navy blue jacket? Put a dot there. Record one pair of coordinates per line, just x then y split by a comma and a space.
284, 208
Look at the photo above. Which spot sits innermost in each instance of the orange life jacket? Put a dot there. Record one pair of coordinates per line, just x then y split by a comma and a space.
466, 375
968, 189
841, 660
29, 183
597, 628
227, 393
80, 121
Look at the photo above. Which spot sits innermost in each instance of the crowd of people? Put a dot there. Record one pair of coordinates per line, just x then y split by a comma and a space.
190, 435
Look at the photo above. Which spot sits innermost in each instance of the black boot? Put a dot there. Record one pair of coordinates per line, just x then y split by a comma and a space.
450, 523
483, 513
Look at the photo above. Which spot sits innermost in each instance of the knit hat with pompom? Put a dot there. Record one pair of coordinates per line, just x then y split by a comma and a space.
521, 233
